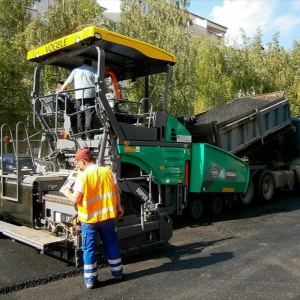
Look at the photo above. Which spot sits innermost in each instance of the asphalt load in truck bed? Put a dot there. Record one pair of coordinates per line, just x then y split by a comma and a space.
230, 110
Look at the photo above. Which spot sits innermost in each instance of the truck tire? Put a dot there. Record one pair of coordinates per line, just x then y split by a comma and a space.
195, 209
295, 167
266, 186
297, 187
130, 205
247, 199
217, 205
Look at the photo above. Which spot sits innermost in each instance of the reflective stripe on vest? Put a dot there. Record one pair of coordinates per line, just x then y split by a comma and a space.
99, 200
105, 211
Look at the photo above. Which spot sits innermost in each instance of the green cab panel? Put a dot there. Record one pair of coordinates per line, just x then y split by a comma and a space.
176, 132
214, 170
168, 164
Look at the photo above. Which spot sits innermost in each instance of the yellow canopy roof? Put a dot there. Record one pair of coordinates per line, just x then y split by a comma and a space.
108, 40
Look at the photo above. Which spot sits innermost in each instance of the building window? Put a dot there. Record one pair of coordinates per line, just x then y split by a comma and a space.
144, 6
32, 6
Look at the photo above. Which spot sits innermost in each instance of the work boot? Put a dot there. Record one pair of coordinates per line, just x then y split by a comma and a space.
118, 278
93, 285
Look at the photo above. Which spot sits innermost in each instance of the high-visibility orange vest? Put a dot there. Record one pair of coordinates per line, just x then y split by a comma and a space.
114, 82
99, 201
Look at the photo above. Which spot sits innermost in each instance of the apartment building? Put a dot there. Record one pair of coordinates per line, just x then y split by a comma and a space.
207, 27
39, 8
198, 24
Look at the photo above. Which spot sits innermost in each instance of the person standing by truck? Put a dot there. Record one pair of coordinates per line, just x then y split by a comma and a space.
97, 196
84, 78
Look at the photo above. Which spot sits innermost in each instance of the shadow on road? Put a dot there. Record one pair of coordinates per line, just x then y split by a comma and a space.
180, 258
283, 202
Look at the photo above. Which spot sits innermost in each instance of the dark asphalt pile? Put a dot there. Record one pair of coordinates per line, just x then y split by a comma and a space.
230, 110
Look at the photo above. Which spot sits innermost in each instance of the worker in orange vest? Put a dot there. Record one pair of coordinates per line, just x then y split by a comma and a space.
112, 84
97, 196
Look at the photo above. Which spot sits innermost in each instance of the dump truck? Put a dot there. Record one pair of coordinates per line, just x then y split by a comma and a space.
260, 130
158, 167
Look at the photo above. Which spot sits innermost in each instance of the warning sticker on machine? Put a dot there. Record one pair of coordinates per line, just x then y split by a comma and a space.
184, 138
132, 149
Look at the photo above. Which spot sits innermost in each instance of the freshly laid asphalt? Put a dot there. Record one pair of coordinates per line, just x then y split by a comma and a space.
243, 254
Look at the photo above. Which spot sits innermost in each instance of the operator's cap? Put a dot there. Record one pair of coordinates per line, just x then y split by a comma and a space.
83, 153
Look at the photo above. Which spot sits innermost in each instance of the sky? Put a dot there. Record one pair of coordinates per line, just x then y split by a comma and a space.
271, 16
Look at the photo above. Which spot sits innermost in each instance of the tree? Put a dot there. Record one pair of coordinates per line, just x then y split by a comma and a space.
14, 85
165, 25
270, 64
62, 18
213, 80
19, 33
241, 70
293, 77
207, 73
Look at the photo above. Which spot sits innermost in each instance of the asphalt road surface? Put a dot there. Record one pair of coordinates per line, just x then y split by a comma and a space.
249, 254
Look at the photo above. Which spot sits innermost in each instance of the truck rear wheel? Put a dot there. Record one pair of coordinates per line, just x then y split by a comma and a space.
195, 208
217, 205
247, 199
266, 186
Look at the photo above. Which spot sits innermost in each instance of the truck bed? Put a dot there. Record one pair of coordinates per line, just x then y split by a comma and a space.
243, 123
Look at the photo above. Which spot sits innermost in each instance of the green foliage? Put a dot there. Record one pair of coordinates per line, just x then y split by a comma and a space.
19, 33
165, 26
292, 79
14, 71
213, 80
225, 72
62, 18
207, 73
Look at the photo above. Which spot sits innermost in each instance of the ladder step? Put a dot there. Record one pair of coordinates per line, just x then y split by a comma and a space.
36, 238
9, 198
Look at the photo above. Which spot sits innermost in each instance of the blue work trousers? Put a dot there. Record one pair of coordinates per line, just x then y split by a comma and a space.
110, 242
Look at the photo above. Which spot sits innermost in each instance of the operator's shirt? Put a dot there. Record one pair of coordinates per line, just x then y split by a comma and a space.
83, 77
